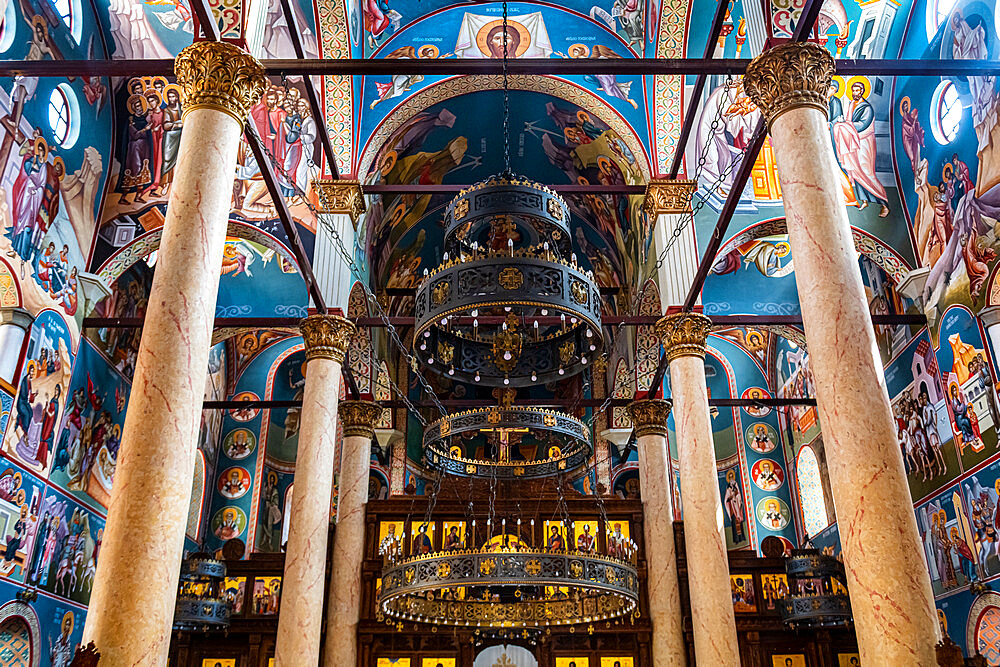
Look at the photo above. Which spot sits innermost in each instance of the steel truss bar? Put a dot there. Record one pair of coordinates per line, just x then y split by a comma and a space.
802, 31
287, 223
447, 188
206, 20
726, 215
459, 404
317, 111
520, 66
211, 30
696, 90
720, 321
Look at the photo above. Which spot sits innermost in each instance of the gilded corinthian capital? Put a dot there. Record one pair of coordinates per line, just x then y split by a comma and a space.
649, 417
220, 76
326, 336
358, 417
668, 196
683, 334
796, 74
337, 195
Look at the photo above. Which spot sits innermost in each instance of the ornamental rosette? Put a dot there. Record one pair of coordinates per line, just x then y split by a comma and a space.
792, 75
327, 336
665, 196
649, 416
221, 76
358, 417
683, 334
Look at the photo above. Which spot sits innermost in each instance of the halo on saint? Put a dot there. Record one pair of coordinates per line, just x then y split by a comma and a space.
864, 81
838, 81
517, 43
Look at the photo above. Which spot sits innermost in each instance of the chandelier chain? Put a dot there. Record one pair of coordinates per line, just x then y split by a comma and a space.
369, 295
679, 229
506, 99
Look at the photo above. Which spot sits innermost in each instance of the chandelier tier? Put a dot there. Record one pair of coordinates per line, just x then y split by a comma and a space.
499, 310
520, 588
532, 211
562, 442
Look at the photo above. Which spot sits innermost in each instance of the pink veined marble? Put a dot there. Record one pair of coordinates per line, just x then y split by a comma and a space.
298, 640
661, 556
891, 595
712, 614
132, 605
344, 609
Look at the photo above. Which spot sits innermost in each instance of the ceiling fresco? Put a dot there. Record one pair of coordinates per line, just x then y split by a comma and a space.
375, 22
553, 141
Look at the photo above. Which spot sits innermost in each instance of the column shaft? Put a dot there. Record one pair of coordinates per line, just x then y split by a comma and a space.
669, 202
887, 576
650, 419
344, 604
132, 605
298, 640
712, 615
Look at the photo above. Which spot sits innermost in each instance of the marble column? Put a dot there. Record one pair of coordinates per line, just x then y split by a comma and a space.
341, 203
132, 604
650, 420
358, 419
668, 202
712, 616
889, 586
299, 625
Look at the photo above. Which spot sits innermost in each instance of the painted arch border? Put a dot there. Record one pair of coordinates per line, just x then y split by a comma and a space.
23, 611
868, 245
126, 257
979, 606
457, 86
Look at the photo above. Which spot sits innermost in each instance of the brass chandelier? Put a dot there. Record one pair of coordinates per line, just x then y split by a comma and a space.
514, 587
507, 307
562, 442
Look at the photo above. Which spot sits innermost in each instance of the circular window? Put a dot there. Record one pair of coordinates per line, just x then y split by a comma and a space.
7, 28
946, 113
938, 12
64, 115
65, 10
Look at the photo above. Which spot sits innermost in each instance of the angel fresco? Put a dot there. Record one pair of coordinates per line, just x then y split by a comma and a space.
401, 83
606, 83
977, 519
